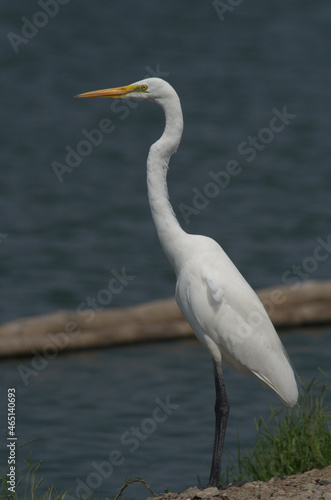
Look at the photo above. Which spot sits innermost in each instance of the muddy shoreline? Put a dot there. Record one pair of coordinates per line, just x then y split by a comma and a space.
311, 485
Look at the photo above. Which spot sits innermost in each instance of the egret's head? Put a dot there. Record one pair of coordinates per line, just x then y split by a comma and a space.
153, 89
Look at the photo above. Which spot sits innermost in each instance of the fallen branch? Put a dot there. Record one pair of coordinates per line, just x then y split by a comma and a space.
288, 306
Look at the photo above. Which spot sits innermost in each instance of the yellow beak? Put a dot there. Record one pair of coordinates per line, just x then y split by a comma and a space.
114, 92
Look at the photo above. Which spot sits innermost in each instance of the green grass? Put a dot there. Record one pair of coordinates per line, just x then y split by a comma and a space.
32, 487
293, 440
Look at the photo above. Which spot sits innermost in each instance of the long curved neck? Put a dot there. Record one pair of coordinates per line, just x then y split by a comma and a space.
167, 226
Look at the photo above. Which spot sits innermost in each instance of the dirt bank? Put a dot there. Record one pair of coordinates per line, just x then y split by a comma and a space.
311, 485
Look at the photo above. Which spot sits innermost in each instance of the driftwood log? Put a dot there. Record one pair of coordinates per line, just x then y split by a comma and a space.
306, 303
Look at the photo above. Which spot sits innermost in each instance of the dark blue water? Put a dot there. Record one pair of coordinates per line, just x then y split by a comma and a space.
62, 235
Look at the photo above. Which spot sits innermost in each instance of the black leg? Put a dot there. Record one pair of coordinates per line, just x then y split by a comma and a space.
222, 409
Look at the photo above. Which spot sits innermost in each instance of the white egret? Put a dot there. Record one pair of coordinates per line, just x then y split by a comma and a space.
222, 309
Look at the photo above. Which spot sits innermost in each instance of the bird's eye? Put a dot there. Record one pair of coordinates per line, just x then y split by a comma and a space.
143, 88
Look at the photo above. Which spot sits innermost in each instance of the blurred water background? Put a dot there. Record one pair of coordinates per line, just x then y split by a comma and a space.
63, 231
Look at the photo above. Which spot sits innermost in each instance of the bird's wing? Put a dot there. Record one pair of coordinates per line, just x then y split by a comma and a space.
229, 319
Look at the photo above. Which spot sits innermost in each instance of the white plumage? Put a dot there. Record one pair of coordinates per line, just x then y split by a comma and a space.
222, 309
229, 319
